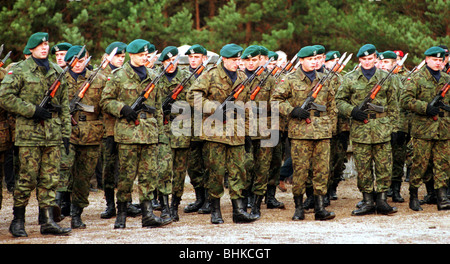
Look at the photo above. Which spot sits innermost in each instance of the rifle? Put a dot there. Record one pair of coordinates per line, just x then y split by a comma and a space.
50, 93
2, 62
309, 103
219, 60
415, 69
149, 60
172, 97
138, 104
345, 63
237, 91
295, 67
437, 100
366, 104
75, 104
286, 67
261, 83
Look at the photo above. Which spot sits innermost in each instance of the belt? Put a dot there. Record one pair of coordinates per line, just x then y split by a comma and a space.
444, 113
318, 113
376, 115
81, 117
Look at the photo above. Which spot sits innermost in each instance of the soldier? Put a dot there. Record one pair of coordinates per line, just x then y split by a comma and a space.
225, 150
196, 161
179, 144
137, 141
87, 133
38, 142
60, 50
431, 137
109, 150
371, 140
310, 142
321, 57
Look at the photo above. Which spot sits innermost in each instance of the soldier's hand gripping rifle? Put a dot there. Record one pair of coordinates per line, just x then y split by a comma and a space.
286, 67
309, 103
138, 104
237, 91
437, 100
75, 104
415, 69
366, 104
172, 97
50, 93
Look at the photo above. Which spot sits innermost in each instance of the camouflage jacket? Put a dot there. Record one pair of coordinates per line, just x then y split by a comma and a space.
293, 92
5, 129
420, 91
403, 119
213, 87
108, 119
165, 87
89, 128
21, 90
123, 88
354, 88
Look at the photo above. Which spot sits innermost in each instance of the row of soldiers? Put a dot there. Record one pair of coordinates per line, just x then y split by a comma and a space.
137, 136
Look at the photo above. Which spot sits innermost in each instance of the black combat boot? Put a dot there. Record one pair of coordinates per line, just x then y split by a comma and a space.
155, 204
199, 201
149, 219
76, 222
271, 201
414, 203
256, 206
17, 227
121, 218
299, 213
239, 213
110, 210
216, 215
206, 207
319, 209
65, 204
309, 201
174, 208
59, 200
133, 210
382, 207
49, 226
396, 196
443, 203
165, 208
332, 191
367, 206
430, 197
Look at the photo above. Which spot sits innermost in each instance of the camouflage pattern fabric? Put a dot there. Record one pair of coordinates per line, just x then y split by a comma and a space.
180, 161
86, 158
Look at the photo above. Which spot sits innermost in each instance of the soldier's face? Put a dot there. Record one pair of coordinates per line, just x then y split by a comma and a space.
80, 65
118, 60
41, 50
196, 60
329, 64
263, 59
387, 64
138, 59
231, 64
271, 65
167, 62
367, 62
320, 61
309, 63
434, 63
252, 63
60, 58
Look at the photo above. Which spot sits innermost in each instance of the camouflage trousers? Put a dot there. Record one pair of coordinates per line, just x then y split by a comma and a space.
2, 175
314, 154
137, 161
276, 162
399, 159
180, 164
65, 179
110, 165
196, 164
39, 169
258, 168
222, 157
369, 155
338, 158
165, 169
436, 152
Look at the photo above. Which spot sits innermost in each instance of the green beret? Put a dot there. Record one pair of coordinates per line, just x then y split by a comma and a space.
61, 47
307, 51
168, 53
26, 51
138, 46
231, 51
331, 55
387, 55
121, 47
445, 48
251, 51
36, 39
151, 48
73, 51
366, 50
320, 49
435, 52
264, 51
274, 55
197, 48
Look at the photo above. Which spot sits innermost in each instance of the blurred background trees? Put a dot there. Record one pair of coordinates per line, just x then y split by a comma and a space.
288, 25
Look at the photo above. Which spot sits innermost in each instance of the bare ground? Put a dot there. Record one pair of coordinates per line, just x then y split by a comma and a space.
429, 226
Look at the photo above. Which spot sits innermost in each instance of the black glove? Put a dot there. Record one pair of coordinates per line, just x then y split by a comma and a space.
300, 113
359, 115
432, 110
66, 142
41, 113
248, 144
128, 113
